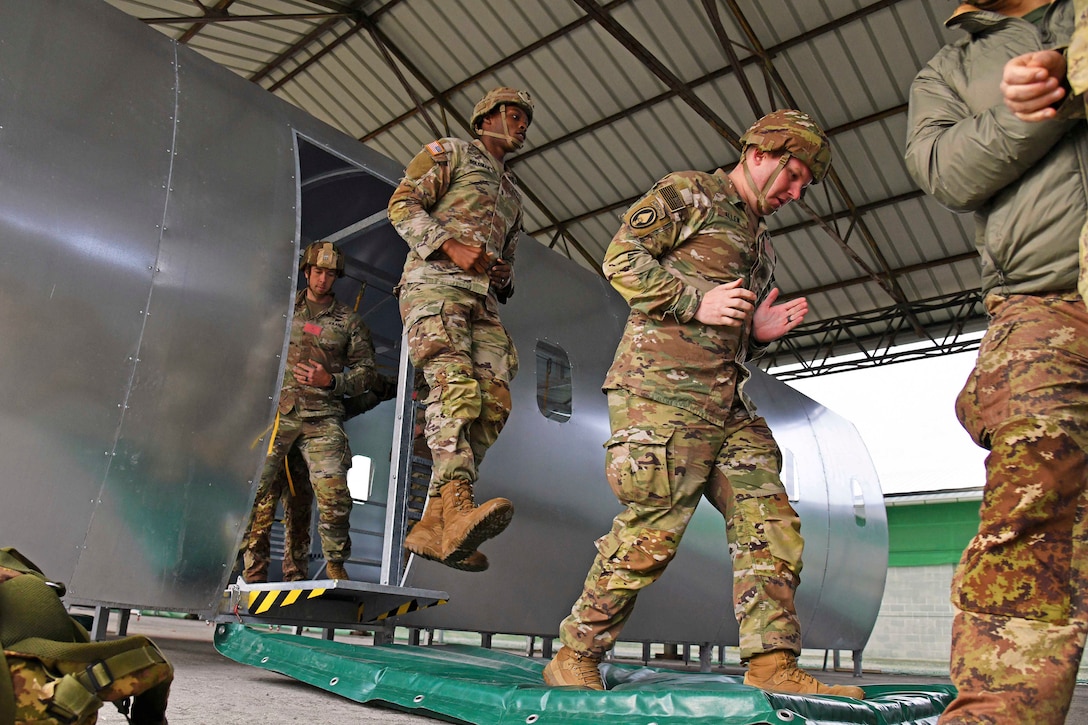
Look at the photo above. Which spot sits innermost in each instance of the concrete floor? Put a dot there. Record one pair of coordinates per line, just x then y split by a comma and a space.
211, 689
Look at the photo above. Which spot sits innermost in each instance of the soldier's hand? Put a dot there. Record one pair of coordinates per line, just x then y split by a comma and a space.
772, 321
313, 373
1031, 84
500, 273
727, 305
466, 256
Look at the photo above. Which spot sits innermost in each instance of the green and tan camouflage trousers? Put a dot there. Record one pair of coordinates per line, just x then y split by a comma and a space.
297, 497
324, 447
660, 461
1019, 591
468, 360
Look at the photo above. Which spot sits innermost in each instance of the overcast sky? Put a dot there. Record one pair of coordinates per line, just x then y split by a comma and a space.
905, 412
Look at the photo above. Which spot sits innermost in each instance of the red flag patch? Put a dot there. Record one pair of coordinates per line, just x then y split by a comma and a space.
312, 328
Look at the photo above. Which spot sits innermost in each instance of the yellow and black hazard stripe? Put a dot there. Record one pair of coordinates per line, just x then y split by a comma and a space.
261, 602
407, 607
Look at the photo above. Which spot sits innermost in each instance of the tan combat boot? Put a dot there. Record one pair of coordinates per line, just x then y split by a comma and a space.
571, 669
425, 540
335, 570
466, 525
778, 672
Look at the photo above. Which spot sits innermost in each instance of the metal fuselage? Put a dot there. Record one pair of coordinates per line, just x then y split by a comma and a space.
151, 213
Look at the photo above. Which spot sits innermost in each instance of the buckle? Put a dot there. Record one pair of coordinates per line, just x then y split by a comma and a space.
99, 675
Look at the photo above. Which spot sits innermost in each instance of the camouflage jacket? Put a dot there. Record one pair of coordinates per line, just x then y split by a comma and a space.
337, 339
454, 189
689, 234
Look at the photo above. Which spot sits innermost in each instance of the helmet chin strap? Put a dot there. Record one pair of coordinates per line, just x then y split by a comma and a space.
514, 141
762, 205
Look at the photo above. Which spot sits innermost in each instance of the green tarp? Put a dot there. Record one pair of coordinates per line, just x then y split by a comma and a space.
464, 684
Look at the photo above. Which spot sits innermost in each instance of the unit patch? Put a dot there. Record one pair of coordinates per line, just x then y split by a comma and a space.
643, 218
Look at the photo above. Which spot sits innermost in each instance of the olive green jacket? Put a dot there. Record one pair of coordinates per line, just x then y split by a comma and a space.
1025, 182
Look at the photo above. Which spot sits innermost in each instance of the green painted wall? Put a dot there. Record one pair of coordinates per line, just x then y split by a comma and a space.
928, 534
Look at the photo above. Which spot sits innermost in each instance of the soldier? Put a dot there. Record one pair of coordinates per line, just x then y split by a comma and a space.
330, 357
292, 488
694, 260
459, 209
1020, 622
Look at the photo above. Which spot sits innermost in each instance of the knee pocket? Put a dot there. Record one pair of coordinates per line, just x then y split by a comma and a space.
629, 557
768, 535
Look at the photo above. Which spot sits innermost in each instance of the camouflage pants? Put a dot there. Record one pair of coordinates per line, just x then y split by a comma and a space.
1019, 591
1082, 280
456, 339
324, 448
660, 462
297, 497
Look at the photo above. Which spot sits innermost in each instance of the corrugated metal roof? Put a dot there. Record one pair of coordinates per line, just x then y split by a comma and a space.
630, 90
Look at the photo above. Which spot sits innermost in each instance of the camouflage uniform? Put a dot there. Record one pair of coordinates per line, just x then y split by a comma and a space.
1019, 592
310, 418
681, 426
454, 189
1020, 623
298, 502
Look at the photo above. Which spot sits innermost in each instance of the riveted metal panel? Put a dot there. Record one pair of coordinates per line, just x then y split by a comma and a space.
81, 204
213, 328
149, 248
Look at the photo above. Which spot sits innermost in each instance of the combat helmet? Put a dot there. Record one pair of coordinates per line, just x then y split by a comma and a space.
500, 97
322, 254
794, 133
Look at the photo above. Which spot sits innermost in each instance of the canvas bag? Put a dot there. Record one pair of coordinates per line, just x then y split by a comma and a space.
50, 671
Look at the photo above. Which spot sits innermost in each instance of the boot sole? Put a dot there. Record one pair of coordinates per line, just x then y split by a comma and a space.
488, 528
463, 566
459, 565
805, 694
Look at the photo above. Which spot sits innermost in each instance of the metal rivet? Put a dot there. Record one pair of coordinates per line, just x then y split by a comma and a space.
417, 699
333, 681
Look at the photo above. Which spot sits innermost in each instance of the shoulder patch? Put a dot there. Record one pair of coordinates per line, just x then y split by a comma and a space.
437, 152
643, 217
646, 216
673, 201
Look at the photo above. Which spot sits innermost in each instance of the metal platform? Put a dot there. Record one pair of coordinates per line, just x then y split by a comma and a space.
326, 603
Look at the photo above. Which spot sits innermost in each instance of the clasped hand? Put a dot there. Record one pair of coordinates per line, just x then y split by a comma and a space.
478, 261
730, 305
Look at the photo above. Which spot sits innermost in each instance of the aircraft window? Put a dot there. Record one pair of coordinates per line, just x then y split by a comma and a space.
789, 476
859, 501
360, 478
553, 381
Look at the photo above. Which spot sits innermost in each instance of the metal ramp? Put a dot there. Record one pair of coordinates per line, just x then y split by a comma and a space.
325, 603
462, 684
